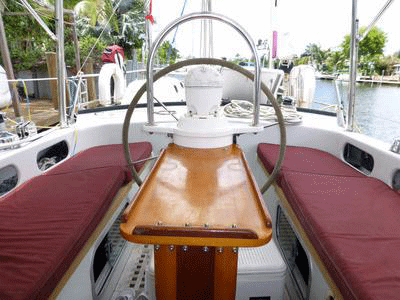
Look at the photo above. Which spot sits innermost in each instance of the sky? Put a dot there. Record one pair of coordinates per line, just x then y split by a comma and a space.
298, 23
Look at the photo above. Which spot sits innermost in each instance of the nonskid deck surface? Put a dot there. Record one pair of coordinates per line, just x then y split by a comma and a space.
132, 280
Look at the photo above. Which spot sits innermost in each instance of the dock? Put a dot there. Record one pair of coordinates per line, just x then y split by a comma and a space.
326, 77
386, 82
41, 112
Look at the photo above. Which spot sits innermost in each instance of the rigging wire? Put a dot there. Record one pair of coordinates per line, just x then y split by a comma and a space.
176, 31
38, 19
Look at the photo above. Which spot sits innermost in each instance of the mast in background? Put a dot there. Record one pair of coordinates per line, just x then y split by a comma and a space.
273, 44
206, 39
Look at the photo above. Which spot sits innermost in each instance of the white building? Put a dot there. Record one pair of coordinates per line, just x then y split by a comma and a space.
396, 69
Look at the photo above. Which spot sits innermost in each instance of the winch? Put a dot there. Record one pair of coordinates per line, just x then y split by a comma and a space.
23, 129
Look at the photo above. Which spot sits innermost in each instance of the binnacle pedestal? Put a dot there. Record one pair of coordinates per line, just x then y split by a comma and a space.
197, 207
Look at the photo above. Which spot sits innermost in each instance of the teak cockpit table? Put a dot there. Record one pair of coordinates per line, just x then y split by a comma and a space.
197, 206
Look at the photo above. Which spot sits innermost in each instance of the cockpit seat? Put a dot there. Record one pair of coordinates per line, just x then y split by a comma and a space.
46, 221
351, 220
304, 160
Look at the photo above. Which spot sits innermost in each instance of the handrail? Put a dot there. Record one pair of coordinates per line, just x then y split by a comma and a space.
71, 78
194, 16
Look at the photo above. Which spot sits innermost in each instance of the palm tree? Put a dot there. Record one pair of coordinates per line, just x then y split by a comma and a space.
337, 60
98, 12
119, 22
318, 56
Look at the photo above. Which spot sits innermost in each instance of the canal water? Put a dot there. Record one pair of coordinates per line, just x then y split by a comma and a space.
377, 107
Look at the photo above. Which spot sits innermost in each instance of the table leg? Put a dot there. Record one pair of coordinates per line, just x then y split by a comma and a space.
183, 273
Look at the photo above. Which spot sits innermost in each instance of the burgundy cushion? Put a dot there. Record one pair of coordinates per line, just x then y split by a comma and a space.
353, 222
105, 156
46, 221
302, 159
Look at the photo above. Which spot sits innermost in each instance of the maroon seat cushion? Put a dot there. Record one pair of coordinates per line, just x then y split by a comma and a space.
306, 160
353, 223
45, 222
352, 220
105, 156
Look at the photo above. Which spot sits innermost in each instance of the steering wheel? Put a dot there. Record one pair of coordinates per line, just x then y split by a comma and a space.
207, 61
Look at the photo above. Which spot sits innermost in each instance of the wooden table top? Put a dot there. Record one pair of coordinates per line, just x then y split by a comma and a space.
199, 197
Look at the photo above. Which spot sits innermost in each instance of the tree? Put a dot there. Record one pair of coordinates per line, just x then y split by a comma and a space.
304, 60
372, 44
163, 53
370, 48
126, 27
96, 11
27, 40
385, 65
318, 56
335, 61
131, 20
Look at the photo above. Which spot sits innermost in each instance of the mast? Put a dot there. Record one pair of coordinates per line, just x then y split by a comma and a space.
206, 41
353, 66
61, 64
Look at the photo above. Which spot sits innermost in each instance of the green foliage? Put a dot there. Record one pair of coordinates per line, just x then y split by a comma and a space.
110, 16
372, 44
318, 56
305, 60
130, 35
370, 50
385, 64
244, 61
335, 61
87, 9
238, 59
126, 27
23, 60
27, 41
86, 44
371, 59
69, 4
166, 51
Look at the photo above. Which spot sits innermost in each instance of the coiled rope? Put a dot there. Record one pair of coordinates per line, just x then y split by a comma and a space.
244, 109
